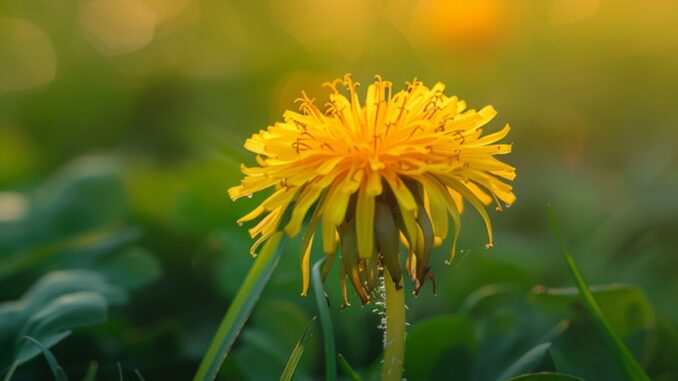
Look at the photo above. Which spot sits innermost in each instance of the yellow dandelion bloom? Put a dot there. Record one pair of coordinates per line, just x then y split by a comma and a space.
374, 176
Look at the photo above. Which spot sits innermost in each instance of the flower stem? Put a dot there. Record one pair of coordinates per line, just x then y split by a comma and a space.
394, 339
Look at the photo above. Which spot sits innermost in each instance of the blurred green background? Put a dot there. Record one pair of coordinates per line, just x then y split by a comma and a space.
121, 128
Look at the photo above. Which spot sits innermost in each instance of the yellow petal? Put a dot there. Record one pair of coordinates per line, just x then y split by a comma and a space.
365, 223
402, 194
251, 215
306, 245
305, 201
475, 202
374, 187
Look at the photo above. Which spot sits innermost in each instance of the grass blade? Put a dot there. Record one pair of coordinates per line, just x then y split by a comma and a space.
546, 376
325, 322
57, 370
293, 362
91, 372
241, 308
139, 376
348, 369
527, 362
10, 372
631, 367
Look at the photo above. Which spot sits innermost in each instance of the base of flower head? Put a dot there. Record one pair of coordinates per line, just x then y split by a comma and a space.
393, 230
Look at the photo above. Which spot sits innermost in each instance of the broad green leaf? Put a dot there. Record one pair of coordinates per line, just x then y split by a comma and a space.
439, 341
85, 194
50, 323
325, 321
664, 359
583, 352
626, 308
293, 362
60, 283
481, 296
230, 269
240, 308
545, 376
631, 367
76, 250
47, 289
457, 285
132, 269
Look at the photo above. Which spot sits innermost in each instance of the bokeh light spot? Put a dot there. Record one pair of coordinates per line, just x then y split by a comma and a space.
13, 206
340, 26
27, 56
117, 27
460, 24
568, 11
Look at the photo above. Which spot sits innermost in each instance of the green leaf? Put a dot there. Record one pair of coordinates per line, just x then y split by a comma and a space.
545, 376
229, 269
527, 362
293, 362
86, 193
626, 308
325, 321
266, 341
240, 308
132, 269
430, 344
52, 323
50, 287
631, 367
78, 249
59, 283
481, 296
57, 370
348, 369
664, 359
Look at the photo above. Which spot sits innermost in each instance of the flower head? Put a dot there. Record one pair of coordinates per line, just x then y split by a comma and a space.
376, 175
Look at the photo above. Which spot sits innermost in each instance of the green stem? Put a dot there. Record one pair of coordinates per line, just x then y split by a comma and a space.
240, 308
394, 339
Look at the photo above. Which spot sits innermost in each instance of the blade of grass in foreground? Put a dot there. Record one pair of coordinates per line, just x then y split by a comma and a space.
57, 370
91, 374
325, 322
348, 369
631, 367
293, 362
240, 308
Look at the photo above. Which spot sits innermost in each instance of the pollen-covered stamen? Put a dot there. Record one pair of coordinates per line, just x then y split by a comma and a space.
299, 146
307, 105
333, 85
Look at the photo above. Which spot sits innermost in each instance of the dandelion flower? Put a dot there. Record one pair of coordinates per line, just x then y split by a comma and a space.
376, 176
